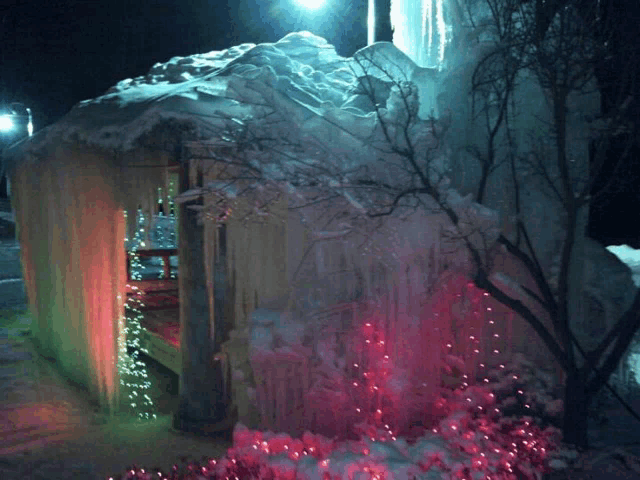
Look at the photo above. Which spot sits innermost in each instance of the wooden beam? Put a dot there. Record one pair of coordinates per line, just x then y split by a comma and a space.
165, 253
204, 404
156, 252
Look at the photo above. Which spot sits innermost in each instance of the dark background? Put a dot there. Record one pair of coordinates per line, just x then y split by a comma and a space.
55, 53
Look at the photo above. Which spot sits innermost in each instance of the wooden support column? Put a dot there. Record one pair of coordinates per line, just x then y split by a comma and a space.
205, 406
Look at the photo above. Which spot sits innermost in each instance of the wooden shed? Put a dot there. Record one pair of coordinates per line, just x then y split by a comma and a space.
76, 188
70, 214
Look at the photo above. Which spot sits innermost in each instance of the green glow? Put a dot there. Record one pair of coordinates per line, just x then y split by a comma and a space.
134, 376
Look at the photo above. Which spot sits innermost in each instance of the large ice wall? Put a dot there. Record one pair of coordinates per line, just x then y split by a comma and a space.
419, 30
529, 140
304, 364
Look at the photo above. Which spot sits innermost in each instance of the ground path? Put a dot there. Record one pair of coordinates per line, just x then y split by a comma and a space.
48, 429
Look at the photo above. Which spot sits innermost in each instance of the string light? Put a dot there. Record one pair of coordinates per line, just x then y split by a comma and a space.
506, 442
134, 376
133, 372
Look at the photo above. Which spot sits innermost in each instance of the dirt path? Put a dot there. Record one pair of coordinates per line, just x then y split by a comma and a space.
103, 451
49, 431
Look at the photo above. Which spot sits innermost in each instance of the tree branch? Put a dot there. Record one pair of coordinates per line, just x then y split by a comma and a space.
482, 281
535, 270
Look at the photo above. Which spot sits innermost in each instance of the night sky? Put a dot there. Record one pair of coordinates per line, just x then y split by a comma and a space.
58, 52
55, 53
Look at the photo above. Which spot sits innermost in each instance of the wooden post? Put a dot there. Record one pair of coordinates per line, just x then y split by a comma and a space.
220, 287
166, 267
204, 405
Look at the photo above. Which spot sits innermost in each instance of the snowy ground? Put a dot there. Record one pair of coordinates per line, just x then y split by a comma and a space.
49, 431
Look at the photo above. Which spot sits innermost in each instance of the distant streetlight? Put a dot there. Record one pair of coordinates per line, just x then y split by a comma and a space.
8, 120
6, 124
11, 123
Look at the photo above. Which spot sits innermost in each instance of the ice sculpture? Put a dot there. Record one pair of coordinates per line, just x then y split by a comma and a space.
326, 371
420, 30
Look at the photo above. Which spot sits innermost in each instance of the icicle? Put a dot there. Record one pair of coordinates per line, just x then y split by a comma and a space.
78, 216
270, 406
210, 246
395, 321
210, 256
438, 249
320, 260
370, 278
281, 378
166, 205
371, 23
420, 30
509, 339
441, 31
427, 7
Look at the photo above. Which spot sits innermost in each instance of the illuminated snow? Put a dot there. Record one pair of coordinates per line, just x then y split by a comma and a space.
301, 73
311, 4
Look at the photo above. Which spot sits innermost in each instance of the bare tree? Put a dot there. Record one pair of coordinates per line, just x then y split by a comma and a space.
562, 50
258, 154
559, 47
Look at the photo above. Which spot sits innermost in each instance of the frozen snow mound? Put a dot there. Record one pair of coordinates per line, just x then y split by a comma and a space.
300, 72
630, 257
608, 292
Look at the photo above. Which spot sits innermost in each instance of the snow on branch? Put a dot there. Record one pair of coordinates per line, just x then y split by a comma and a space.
189, 195
324, 235
508, 285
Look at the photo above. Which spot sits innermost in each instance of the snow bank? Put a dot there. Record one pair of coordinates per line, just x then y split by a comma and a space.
630, 257
462, 445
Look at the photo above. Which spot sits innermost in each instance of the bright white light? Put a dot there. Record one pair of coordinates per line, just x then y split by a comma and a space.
311, 4
371, 22
6, 123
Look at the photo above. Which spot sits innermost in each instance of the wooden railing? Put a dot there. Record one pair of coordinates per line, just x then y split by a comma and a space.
165, 253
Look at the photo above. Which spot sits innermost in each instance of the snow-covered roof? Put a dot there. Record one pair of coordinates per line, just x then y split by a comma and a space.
207, 89
309, 103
